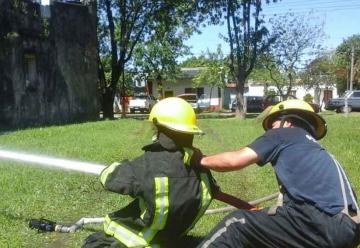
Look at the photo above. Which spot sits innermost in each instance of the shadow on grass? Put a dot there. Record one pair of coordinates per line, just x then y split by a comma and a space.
209, 115
8, 128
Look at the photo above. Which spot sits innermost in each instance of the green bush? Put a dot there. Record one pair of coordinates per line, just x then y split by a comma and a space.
308, 98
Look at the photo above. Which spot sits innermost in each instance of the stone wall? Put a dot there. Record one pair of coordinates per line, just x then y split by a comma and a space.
48, 67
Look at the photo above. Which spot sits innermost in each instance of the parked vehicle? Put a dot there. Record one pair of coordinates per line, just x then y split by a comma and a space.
338, 104
254, 104
191, 98
273, 100
142, 103
204, 102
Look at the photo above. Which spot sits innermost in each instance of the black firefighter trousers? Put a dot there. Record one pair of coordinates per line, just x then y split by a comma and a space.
294, 225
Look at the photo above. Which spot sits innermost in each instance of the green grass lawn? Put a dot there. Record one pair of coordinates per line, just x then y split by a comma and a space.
33, 192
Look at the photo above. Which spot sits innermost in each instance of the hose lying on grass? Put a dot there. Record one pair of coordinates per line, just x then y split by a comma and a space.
44, 225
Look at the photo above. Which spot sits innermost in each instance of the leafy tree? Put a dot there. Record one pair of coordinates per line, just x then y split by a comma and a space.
319, 72
247, 37
194, 61
122, 25
343, 63
214, 70
156, 58
308, 98
261, 74
297, 38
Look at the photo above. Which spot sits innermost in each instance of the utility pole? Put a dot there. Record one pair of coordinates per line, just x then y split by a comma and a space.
352, 68
351, 80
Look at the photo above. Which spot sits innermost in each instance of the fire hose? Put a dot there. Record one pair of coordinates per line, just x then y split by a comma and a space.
45, 225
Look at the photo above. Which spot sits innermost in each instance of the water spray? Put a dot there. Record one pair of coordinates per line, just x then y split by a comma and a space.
85, 167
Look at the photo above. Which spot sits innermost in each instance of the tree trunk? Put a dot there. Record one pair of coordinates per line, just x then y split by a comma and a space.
240, 86
107, 103
123, 107
211, 90
122, 95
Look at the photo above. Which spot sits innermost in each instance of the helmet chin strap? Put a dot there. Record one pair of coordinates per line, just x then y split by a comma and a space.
282, 119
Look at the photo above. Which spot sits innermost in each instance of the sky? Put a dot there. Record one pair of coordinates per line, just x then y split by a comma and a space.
341, 20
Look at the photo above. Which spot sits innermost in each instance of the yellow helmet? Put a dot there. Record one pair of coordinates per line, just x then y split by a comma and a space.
176, 114
301, 109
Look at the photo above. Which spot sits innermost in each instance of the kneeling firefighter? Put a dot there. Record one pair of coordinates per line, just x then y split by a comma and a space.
317, 207
169, 195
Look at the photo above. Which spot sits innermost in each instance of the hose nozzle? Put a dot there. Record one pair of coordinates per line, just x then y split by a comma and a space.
42, 225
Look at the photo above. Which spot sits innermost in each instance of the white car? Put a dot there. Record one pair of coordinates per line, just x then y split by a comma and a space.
141, 103
192, 99
204, 102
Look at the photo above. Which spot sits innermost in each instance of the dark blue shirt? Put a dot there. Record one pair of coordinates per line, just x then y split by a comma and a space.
304, 168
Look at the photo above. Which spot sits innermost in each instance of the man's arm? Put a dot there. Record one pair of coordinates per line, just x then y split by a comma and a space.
120, 178
230, 161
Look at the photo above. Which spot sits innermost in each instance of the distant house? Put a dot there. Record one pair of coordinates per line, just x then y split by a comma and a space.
184, 84
48, 63
222, 98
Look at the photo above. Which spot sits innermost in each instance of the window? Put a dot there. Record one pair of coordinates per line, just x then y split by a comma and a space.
356, 94
190, 90
200, 91
30, 71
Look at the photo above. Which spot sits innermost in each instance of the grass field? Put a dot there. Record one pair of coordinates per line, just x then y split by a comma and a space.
32, 192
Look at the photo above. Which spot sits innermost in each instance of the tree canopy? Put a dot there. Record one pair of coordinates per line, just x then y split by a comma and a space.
156, 58
215, 70
319, 72
297, 39
343, 63
123, 25
247, 37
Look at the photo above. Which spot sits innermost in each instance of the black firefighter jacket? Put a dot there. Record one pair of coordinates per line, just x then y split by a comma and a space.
170, 195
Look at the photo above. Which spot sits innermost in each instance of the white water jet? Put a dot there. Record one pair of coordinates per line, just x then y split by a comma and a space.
65, 164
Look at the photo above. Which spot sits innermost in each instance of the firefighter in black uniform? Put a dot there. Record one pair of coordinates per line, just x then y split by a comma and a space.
317, 206
169, 195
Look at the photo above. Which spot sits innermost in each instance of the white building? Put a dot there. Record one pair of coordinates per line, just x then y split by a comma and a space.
221, 98
184, 85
